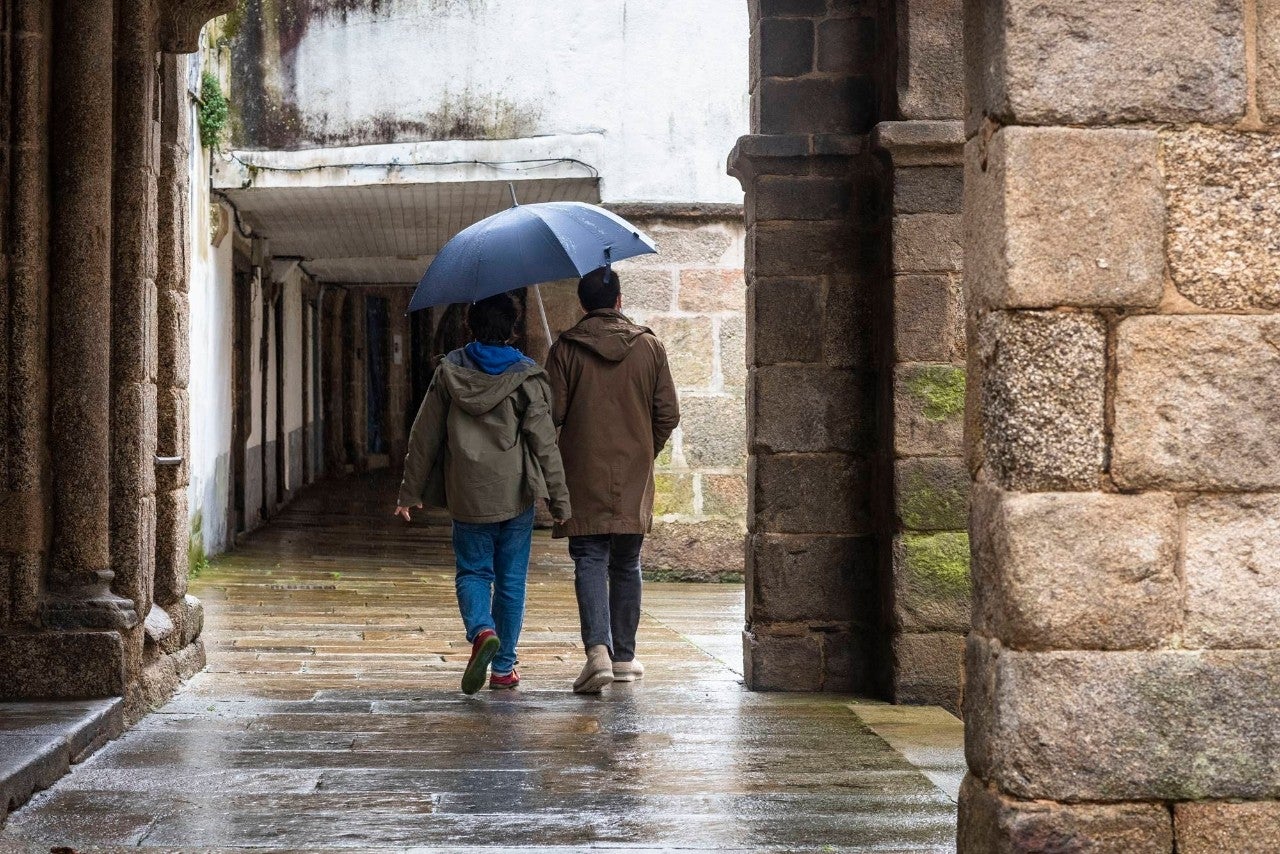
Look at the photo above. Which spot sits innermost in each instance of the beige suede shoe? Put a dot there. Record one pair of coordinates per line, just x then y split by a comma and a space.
596, 673
627, 671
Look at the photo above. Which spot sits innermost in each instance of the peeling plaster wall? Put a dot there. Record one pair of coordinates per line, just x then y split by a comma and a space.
212, 340
651, 75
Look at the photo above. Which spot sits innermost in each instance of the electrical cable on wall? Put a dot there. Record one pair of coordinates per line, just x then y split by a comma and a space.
500, 165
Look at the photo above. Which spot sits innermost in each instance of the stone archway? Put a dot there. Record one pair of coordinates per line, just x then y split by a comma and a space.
858, 558
1117, 161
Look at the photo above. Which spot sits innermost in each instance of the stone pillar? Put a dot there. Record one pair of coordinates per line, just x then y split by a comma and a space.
333, 360
173, 431
134, 334
1120, 270
24, 322
81, 137
928, 565
812, 263
396, 430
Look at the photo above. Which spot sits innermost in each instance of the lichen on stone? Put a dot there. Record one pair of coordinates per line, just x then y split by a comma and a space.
938, 564
941, 387
673, 494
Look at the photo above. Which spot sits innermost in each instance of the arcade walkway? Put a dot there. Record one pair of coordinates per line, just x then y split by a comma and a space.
329, 718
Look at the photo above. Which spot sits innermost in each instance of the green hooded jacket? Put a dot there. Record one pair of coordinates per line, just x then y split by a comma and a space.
484, 445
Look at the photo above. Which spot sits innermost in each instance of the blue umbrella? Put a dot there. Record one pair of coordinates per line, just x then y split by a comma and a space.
525, 245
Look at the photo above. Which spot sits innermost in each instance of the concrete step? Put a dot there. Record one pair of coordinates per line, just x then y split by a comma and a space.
41, 740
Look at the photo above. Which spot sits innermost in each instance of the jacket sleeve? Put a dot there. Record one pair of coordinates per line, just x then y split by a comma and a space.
540, 433
666, 404
425, 441
557, 375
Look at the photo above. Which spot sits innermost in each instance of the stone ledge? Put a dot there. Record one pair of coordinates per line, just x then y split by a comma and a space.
760, 146
677, 210
39, 742
921, 143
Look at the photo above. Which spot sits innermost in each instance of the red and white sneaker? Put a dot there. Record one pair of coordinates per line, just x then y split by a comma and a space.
499, 681
483, 649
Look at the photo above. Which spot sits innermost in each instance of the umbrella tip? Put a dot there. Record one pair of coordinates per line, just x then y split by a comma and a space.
512, 187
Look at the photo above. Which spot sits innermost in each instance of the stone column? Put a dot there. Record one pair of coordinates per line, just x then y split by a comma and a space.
81, 137
333, 359
812, 265
173, 406
927, 567
134, 334
1121, 269
24, 322
396, 431
928, 564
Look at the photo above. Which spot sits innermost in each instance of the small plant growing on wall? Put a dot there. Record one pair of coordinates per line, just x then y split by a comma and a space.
214, 112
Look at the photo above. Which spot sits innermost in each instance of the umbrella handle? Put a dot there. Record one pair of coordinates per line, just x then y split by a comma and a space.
542, 313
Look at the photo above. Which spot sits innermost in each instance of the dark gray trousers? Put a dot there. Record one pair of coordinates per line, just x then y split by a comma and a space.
606, 577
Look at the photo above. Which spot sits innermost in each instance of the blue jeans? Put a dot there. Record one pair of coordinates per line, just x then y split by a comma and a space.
493, 565
606, 577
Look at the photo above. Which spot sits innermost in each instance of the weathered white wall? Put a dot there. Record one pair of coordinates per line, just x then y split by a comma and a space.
212, 339
664, 80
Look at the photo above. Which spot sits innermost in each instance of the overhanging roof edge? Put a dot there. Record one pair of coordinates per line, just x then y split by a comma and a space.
559, 156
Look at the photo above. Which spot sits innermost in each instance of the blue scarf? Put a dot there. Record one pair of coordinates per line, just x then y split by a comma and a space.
495, 358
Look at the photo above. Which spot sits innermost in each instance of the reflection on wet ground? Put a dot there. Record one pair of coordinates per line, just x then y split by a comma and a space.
329, 718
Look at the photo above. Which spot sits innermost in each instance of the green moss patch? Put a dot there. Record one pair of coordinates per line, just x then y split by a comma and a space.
941, 387
197, 560
938, 564
933, 504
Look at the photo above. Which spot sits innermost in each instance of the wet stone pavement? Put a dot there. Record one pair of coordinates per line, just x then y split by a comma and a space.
329, 719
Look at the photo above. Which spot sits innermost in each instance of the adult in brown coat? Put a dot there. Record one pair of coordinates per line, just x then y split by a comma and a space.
615, 404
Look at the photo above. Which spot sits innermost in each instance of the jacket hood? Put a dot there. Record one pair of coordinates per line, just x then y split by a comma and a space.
607, 333
494, 358
477, 391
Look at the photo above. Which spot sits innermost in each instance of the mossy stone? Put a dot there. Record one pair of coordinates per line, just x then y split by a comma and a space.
942, 390
937, 565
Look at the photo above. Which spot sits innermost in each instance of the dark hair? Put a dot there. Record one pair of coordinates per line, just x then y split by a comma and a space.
599, 289
492, 320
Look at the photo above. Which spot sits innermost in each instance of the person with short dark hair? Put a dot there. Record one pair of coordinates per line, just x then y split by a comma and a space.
484, 446
616, 407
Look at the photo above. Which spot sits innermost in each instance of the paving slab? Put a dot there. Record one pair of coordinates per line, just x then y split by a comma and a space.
330, 719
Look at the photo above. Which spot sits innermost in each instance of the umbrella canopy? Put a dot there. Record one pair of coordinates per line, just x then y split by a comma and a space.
525, 245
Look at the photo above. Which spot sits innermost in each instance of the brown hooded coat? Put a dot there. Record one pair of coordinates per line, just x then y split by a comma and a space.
615, 403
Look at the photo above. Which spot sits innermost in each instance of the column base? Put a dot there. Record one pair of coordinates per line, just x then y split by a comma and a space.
89, 608
61, 666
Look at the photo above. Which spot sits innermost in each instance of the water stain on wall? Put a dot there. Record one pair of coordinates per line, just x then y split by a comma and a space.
264, 36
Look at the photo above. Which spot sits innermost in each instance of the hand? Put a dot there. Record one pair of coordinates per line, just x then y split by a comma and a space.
559, 521
403, 512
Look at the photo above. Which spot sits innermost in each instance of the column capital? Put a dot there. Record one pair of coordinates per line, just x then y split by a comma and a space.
752, 154
921, 143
